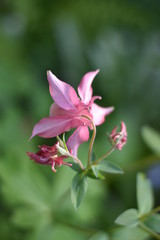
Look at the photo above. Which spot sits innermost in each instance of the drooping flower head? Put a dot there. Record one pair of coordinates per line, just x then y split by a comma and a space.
49, 155
69, 111
119, 138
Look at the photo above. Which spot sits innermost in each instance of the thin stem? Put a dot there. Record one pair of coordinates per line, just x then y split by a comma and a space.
92, 139
91, 144
64, 151
148, 230
155, 210
104, 156
78, 161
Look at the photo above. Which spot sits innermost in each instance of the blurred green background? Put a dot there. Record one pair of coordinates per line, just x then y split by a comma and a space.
122, 39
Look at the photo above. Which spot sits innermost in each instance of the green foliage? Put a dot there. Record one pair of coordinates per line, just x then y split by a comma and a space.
153, 222
119, 38
144, 195
109, 167
94, 173
144, 217
152, 139
129, 234
99, 236
78, 189
79, 182
76, 167
128, 218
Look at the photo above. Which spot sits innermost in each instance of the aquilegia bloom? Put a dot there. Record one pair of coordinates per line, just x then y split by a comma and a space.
69, 111
48, 155
119, 138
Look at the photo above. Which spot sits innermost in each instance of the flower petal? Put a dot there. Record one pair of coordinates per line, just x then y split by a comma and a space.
84, 88
78, 137
51, 127
62, 93
56, 111
99, 113
123, 129
36, 158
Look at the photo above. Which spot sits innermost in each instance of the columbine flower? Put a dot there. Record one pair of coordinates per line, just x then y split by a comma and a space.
48, 155
119, 138
69, 111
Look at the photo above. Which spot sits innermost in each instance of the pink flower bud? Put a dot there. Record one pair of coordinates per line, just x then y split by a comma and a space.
119, 138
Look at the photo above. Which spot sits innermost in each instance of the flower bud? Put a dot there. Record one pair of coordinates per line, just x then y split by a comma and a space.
119, 139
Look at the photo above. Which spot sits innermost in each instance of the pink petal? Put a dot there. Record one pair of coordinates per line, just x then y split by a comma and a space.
78, 137
123, 129
114, 131
51, 127
56, 111
62, 93
36, 158
84, 88
99, 113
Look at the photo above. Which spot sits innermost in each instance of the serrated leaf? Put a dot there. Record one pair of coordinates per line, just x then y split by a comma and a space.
128, 218
99, 236
109, 167
144, 195
153, 222
152, 139
78, 189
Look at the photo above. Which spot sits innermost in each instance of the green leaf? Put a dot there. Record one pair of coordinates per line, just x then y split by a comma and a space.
76, 167
26, 217
128, 233
151, 138
95, 170
94, 174
93, 157
128, 218
78, 189
153, 222
144, 195
109, 167
99, 236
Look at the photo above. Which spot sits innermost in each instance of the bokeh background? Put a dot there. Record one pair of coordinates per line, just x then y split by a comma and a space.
122, 39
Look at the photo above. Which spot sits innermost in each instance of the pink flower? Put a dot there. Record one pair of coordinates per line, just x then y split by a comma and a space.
48, 155
69, 111
120, 138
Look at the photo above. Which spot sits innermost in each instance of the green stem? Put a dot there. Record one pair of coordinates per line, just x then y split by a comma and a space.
149, 231
104, 156
92, 139
78, 161
91, 144
155, 210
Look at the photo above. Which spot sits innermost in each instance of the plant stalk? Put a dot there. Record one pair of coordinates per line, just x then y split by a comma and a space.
149, 231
